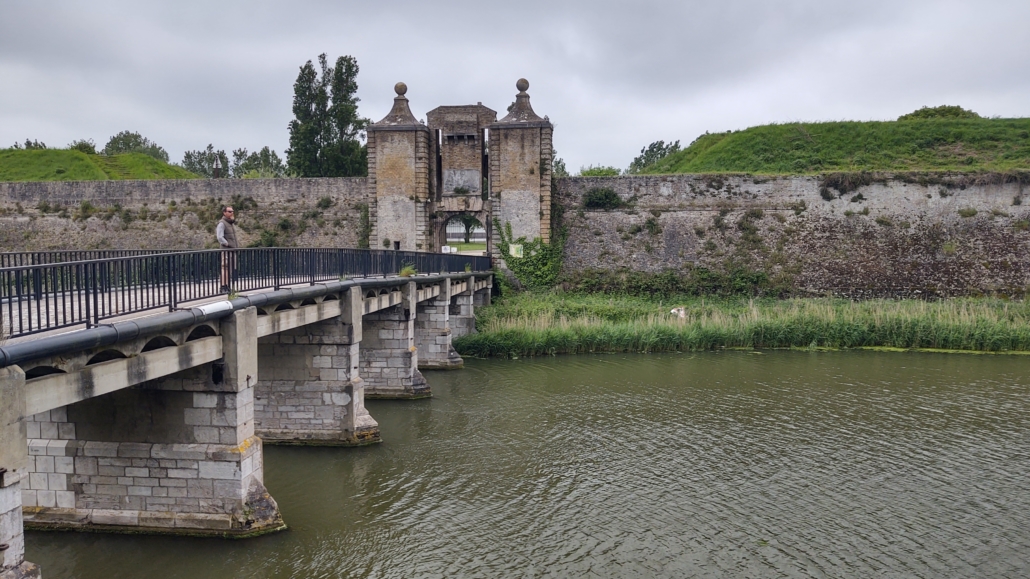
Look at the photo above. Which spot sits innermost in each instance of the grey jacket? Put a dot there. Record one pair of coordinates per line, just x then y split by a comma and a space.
226, 234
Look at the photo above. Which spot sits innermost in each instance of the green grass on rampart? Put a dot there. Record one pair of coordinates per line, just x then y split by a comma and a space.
545, 324
70, 165
911, 145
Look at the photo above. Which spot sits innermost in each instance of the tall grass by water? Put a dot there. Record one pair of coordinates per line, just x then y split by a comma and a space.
535, 325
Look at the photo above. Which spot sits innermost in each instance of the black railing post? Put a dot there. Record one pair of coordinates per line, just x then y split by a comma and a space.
172, 278
275, 267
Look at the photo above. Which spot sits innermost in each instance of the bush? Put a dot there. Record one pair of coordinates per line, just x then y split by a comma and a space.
599, 171
941, 112
86, 146
967, 212
602, 198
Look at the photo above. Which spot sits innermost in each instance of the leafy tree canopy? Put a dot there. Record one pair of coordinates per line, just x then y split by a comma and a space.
558, 165
129, 142
202, 162
263, 164
326, 133
941, 112
599, 171
470, 223
651, 154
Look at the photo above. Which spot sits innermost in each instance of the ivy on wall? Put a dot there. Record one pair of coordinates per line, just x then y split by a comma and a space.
540, 264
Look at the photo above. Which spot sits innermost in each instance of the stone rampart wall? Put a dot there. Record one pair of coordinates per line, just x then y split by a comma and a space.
178, 214
891, 236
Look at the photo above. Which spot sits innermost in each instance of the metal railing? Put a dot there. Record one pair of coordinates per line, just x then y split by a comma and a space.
39, 298
24, 258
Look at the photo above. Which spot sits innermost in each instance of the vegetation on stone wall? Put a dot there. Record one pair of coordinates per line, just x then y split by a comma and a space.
602, 198
540, 264
535, 324
364, 227
927, 140
693, 281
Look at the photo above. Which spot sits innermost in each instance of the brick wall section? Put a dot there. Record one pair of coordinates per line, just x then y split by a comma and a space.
897, 236
433, 332
310, 390
388, 357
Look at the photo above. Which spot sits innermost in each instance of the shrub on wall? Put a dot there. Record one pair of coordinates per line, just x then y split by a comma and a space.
602, 198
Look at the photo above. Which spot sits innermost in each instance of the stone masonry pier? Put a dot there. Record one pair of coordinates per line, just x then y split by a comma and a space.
157, 425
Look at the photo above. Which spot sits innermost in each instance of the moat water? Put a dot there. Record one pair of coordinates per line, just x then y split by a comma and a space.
713, 464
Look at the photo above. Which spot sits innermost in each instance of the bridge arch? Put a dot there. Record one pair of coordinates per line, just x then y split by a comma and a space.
201, 331
158, 343
106, 356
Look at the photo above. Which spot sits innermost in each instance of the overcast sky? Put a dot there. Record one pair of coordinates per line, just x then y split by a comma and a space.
612, 76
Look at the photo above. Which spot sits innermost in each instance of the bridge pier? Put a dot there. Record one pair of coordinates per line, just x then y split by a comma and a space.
461, 312
14, 461
310, 390
175, 455
389, 358
433, 332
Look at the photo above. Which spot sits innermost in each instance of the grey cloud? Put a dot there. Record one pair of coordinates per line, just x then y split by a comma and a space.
613, 76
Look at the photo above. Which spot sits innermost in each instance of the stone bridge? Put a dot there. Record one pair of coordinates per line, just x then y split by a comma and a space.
156, 424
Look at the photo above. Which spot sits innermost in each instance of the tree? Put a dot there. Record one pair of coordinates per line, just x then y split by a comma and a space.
558, 165
651, 154
326, 131
86, 146
263, 164
470, 223
30, 145
129, 142
202, 162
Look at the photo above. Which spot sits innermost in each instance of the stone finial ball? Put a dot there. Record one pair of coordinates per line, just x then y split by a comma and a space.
522, 85
401, 88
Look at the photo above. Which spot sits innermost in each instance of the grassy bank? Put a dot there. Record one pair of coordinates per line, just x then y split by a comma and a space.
910, 145
543, 324
70, 165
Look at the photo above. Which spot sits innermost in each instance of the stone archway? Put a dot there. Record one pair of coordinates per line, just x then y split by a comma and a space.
475, 223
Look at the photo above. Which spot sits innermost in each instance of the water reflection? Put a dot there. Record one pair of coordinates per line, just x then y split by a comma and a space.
708, 464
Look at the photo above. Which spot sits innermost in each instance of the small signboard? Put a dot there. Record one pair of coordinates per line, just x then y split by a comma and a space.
445, 249
515, 249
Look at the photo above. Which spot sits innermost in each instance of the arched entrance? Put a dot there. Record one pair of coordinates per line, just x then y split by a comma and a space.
465, 231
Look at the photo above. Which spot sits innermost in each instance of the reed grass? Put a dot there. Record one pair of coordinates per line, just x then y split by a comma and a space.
529, 325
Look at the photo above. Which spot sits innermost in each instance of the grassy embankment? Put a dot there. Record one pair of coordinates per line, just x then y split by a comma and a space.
70, 165
535, 324
973, 144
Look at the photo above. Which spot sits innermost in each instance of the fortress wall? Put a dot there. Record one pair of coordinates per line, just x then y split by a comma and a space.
177, 214
899, 235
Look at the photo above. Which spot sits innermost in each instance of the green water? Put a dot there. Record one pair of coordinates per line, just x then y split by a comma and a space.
713, 464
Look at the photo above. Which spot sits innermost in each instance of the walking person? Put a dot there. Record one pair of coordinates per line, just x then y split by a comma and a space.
226, 234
